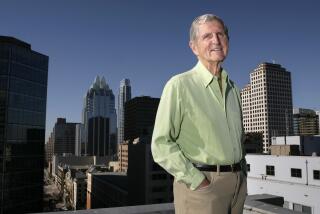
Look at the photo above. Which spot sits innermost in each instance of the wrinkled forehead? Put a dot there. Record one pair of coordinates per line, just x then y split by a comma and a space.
209, 26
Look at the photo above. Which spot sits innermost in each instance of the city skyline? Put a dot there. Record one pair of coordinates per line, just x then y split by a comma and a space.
147, 42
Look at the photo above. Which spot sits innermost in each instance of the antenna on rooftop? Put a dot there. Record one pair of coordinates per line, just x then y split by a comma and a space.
273, 61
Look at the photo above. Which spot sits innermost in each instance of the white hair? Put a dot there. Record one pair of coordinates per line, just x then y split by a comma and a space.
204, 19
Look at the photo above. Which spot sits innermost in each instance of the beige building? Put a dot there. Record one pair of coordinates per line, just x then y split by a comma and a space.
114, 166
49, 148
267, 102
123, 156
284, 150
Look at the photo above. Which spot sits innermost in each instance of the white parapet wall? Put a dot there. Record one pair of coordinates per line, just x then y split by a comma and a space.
300, 192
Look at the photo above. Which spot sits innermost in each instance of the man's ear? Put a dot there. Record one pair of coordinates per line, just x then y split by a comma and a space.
193, 47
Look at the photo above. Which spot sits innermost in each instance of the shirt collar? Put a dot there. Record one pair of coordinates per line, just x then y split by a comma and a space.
206, 76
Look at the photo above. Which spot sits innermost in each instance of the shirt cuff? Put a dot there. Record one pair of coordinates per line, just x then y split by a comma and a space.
196, 179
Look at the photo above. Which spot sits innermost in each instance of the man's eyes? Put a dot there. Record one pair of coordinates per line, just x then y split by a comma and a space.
220, 34
210, 35
207, 36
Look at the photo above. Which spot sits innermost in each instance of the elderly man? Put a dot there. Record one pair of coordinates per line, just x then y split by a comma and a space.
198, 131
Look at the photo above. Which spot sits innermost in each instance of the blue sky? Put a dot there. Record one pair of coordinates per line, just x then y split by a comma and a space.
147, 42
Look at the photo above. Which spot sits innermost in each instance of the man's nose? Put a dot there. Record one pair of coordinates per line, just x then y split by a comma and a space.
215, 38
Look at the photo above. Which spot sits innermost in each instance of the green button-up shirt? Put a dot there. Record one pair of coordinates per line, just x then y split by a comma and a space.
196, 122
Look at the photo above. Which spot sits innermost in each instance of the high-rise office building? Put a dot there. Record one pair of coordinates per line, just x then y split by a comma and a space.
49, 148
23, 96
101, 143
305, 122
80, 140
267, 103
124, 96
140, 114
152, 182
99, 103
64, 137
148, 183
318, 114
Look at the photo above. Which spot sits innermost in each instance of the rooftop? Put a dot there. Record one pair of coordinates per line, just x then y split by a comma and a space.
255, 204
14, 41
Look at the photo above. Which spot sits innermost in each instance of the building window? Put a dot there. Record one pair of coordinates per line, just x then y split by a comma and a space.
301, 208
270, 170
295, 172
248, 167
306, 209
316, 174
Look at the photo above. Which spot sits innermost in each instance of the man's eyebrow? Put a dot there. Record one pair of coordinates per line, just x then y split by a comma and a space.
206, 34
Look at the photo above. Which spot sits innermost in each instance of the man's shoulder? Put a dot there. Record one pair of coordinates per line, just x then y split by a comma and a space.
182, 78
236, 88
233, 84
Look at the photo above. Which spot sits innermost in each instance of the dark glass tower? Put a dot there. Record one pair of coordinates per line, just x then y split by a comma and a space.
98, 136
64, 137
23, 95
148, 183
140, 114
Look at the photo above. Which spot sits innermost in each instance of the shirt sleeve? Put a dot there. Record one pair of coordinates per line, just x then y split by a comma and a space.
243, 161
165, 150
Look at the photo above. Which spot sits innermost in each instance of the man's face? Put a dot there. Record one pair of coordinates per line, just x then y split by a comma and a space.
211, 44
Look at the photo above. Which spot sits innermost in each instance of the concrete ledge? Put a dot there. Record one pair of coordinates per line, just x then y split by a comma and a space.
255, 204
145, 209
266, 204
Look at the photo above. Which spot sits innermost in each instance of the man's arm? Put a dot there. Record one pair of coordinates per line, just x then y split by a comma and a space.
166, 152
243, 161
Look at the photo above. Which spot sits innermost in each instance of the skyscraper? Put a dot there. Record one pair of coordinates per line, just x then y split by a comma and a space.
318, 114
23, 96
305, 122
64, 137
99, 103
140, 114
267, 102
124, 96
147, 182
101, 143
80, 141
49, 148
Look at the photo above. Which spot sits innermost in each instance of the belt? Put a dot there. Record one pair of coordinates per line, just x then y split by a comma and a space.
223, 168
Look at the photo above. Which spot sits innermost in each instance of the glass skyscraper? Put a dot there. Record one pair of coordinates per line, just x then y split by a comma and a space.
124, 96
23, 95
99, 109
